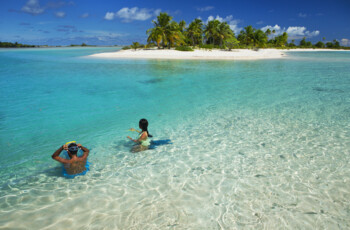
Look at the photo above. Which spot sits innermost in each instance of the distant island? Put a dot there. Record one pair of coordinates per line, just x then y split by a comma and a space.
214, 40
167, 33
19, 45
14, 45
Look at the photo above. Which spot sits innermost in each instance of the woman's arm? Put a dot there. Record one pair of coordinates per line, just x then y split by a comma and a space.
132, 139
142, 137
132, 129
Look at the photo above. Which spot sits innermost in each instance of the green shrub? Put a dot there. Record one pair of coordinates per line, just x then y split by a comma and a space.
135, 45
209, 46
126, 48
183, 48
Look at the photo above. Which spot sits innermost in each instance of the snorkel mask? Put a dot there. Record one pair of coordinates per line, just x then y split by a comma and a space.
72, 147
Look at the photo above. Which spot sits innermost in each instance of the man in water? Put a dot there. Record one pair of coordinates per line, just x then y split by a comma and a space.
75, 164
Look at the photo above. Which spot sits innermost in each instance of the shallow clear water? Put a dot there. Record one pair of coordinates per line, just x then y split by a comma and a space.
256, 144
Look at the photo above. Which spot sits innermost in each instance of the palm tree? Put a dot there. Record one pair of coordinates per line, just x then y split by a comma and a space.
162, 24
174, 34
281, 40
165, 31
268, 32
246, 36
260, 38
182, 26
211, 30
195, 31
135, 45
154, 35
224, 32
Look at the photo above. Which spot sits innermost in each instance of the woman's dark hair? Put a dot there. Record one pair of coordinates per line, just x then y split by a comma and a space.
143, 123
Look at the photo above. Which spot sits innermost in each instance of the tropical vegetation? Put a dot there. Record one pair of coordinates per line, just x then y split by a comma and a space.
14, 45
167, 33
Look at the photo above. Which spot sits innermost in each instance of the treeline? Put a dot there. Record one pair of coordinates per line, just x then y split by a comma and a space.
167, 33
82, 44
14, 45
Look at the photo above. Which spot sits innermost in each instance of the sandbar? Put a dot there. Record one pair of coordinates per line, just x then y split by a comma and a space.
236, 54
200, 54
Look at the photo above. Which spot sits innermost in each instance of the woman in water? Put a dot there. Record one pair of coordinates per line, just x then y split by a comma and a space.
143, 139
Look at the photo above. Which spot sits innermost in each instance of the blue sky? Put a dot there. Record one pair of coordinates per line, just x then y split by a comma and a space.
111, 22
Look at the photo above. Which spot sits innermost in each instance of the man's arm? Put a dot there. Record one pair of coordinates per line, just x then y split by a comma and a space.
85, 150
56, 154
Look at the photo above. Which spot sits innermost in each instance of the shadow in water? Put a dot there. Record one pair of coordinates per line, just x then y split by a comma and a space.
54, 172
153, 81
319, 89
156, 143
128, 145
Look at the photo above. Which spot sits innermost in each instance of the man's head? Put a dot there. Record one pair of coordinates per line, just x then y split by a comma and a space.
73, 148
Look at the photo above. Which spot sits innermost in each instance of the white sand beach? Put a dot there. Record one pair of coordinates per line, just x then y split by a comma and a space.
215, 54
237, 54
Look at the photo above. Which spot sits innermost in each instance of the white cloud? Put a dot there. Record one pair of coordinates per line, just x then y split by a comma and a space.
301, 15
277, 28
109, 16
294, 32
259, 22
210, 18
157, 12
85, 15
131, 14
345, 42
33, 7
203, 9
233, 23
312, 34
60, 14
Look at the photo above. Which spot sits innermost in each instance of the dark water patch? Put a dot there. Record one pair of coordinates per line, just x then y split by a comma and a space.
311, 213
319, 89
152, 81
53, 172
259, 175
2, 120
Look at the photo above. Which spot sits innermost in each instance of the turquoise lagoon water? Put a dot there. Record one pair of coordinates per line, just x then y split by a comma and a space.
256, 144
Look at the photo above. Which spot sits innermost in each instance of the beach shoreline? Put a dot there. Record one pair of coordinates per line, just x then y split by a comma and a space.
201, 54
